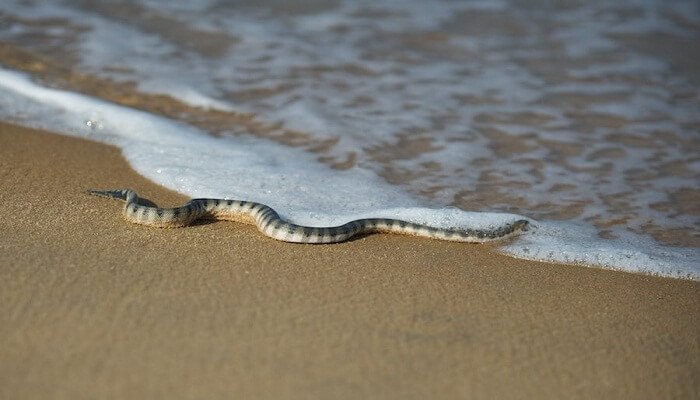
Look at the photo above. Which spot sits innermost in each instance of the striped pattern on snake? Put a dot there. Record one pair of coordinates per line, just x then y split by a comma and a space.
142, 211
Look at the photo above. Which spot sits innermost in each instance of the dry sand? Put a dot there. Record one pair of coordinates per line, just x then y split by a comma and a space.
94, 307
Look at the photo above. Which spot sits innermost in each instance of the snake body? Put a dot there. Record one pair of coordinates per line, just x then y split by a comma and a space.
142, 211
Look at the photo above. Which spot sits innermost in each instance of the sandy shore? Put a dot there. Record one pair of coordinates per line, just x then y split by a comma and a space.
94, 307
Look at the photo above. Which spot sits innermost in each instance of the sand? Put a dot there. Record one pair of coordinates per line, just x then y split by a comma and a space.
94, 307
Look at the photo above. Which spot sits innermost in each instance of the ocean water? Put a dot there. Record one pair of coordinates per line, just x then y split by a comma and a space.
582, 116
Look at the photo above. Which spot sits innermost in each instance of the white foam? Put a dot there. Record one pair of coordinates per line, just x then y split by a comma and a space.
190, 161
579, 244
185, 159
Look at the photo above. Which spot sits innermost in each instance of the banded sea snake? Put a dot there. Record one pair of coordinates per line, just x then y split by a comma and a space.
142, 211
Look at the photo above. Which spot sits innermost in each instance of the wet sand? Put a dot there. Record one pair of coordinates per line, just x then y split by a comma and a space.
94, 307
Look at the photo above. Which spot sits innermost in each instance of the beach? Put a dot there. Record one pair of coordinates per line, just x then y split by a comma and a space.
94, 307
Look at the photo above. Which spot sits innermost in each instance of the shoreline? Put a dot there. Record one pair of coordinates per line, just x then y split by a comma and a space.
96, 307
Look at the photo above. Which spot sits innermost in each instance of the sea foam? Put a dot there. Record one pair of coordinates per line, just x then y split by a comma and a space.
192, 162
582, 112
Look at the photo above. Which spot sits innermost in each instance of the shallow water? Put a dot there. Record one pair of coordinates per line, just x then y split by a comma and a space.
584, 113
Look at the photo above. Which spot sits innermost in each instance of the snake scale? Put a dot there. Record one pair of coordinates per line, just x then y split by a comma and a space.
142, 211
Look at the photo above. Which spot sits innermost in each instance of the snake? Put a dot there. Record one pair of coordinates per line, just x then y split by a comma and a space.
142, 211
